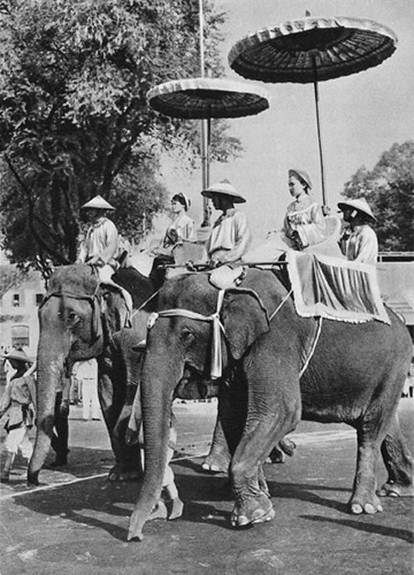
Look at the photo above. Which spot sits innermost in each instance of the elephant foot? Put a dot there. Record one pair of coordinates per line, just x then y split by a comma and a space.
285, 446
216, 462
392, 489
116, 474
176, 509
369, 504
276, 456
159, 511
252, 511
33, 478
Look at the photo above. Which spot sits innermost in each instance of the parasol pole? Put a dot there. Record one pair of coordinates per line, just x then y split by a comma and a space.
205, 175
318, 125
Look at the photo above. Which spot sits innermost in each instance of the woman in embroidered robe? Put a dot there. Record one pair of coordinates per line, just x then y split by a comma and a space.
180, 230
182, 227
304, 223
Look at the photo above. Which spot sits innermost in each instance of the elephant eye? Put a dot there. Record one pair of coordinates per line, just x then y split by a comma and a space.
187, 335
74, 318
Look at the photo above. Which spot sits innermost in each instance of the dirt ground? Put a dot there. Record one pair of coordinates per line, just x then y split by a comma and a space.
76, 522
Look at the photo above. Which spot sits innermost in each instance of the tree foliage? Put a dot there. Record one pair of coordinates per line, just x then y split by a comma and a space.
389, 189
74, 118
10, 276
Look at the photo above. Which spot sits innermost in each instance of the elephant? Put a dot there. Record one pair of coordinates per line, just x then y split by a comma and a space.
285, 368
80, 319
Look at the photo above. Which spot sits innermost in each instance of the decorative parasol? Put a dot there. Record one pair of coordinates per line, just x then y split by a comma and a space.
312, 50
205, 98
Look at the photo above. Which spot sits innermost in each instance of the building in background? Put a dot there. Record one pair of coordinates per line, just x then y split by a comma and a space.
19, 304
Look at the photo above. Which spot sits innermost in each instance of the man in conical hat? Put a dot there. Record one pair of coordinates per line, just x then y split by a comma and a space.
359, 243
230, 235
101, 245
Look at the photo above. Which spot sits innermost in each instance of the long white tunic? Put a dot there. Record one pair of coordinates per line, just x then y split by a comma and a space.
361, 245
101, 242
229, 238
305, 217
184, 226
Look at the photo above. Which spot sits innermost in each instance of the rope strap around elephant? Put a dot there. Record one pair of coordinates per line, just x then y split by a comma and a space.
218, 329
313, 347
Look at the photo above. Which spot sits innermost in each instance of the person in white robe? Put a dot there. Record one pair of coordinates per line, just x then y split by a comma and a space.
304, 223
359, 241
101, 245
230, 235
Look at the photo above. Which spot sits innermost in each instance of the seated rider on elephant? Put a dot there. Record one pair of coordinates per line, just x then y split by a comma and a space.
101, 245
230, 236
359, 242
180, 230
304, 221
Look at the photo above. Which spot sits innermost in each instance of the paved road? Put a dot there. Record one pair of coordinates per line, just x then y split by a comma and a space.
76, 524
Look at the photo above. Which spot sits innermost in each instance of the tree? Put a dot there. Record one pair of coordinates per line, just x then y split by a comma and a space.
74, 118
10, 276
389, 189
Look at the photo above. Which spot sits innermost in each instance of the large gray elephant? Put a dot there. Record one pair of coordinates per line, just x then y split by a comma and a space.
80, 319
354, 374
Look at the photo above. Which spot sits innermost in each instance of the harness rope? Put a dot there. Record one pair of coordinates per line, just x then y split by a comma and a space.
218, 328
135, 311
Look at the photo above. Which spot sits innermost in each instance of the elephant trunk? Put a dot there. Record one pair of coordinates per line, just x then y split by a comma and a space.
157, 387
50, 368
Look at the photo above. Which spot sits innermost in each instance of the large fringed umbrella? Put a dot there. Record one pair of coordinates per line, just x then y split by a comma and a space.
205, 98
311, 50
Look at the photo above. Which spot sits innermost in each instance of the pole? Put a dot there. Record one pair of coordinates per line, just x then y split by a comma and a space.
318, 125
205, 127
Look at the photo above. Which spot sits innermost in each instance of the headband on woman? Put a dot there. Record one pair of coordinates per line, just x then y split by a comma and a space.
180, 197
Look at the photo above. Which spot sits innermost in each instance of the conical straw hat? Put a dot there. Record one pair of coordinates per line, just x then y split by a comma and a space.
98, 203
359, 204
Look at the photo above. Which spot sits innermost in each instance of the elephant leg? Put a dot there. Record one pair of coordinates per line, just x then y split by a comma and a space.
231, 416
112, 399
364, 498
218, 458
378, 420
253, 504
398, 462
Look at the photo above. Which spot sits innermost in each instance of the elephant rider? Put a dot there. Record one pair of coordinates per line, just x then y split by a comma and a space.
101, 246
359, 241
230, 236
304, 222
179, 231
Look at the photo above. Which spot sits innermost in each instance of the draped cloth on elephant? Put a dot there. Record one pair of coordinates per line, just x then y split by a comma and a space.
335, 288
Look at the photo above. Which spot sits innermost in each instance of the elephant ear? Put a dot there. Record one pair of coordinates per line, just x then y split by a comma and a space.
245, 319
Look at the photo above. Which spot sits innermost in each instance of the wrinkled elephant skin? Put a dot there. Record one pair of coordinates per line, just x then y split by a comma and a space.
78, 320
355, 376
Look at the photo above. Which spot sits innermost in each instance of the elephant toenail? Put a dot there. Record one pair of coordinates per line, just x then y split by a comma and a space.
242, 520
370, 509
356, 509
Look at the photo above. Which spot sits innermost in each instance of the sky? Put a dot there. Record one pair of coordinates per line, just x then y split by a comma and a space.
361, 115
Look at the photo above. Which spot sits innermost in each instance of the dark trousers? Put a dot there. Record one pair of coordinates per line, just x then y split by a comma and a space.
61, 429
